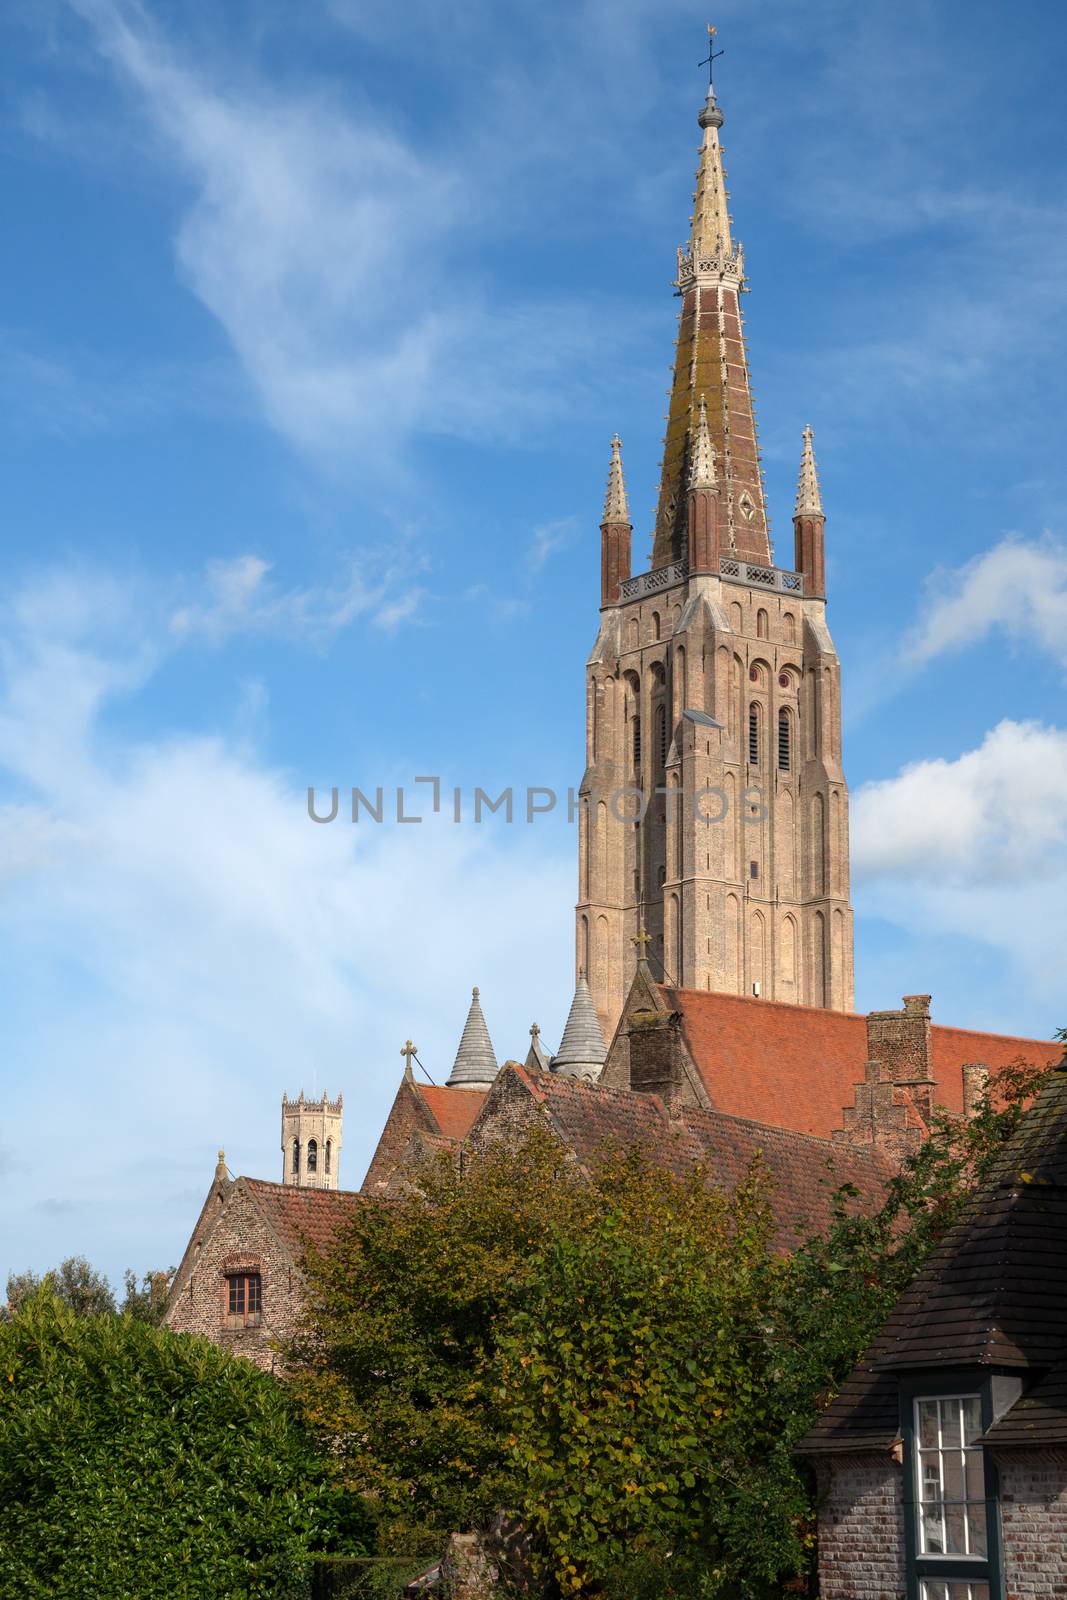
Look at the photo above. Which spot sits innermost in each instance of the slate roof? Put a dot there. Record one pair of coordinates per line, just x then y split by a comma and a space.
798, 1066
994, 1294
803, 1171
475, 1061
582, 1049
301, 1217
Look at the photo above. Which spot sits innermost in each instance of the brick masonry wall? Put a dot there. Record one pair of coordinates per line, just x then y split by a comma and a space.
1033, 1500
861, 1529
236, 1240
405, 1119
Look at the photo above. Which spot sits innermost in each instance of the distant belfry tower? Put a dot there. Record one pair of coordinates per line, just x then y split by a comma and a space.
713, 710
311, 1141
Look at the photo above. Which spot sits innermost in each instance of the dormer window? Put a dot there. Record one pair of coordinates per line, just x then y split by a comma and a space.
953, 1534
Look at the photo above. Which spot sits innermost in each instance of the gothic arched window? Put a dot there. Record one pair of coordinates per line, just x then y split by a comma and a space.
761, 624
313, 1155
296, 1158
327, 1153
753, 734
784, 741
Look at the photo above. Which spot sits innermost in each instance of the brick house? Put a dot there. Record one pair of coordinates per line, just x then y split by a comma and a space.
240, 1281
942, 1464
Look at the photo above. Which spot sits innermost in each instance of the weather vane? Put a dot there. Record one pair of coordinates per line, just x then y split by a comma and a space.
711, 57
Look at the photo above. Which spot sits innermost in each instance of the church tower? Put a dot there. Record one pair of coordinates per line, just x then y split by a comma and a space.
311, 1141
713, 821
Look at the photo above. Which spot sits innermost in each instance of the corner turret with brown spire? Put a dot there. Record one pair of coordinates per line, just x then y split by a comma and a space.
703, 500
809, 523
615, 531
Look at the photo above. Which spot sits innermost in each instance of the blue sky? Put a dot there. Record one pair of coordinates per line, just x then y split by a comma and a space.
316, 323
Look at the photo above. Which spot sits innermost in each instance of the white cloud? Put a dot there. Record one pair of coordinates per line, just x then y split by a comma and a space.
239, 597
1017, 589
995, 813
182, 943
975, 848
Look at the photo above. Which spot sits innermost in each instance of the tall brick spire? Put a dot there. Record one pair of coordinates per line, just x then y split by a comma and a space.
710, 359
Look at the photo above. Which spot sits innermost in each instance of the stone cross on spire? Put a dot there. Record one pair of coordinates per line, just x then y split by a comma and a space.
809, 500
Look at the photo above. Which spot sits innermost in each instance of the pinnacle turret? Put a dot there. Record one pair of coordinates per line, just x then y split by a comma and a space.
809, 500
702, 459
616, 509
582, 1050
475, 1064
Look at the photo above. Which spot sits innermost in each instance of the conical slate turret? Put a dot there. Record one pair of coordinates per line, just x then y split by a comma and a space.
582, 1050
475, 1064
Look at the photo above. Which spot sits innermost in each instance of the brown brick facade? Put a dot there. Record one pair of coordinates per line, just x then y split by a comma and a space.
247, 1227
861, 1529
238, 1239
1033, 1501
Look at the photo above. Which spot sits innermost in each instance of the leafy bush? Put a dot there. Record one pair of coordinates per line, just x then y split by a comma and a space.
137, 1461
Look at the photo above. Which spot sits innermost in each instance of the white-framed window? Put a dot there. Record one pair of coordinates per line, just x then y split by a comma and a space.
950, 1487
953, 1589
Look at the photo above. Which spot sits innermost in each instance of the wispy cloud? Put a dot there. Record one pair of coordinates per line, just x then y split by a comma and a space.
549, 537
240, 598
331, 251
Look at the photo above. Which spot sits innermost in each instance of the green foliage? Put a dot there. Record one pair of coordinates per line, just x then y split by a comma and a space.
395, 1367
620, 1360
74, 1281
633, 1376
136, 1461
146, 1299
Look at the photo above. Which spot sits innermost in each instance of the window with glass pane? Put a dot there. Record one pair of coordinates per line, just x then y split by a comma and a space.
244, 1299
951, 1487
954, 1589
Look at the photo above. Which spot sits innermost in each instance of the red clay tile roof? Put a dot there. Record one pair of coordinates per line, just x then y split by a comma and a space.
803, 1171
453, 1110
301, 1217
798, 1066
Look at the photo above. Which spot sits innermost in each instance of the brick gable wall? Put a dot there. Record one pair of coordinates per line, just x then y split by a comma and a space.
236, 1240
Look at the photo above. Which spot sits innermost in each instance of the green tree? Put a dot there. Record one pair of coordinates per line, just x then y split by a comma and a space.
146, 1298
634, 1381
620, 1359
86, 1291
137, 1461
395, 1365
